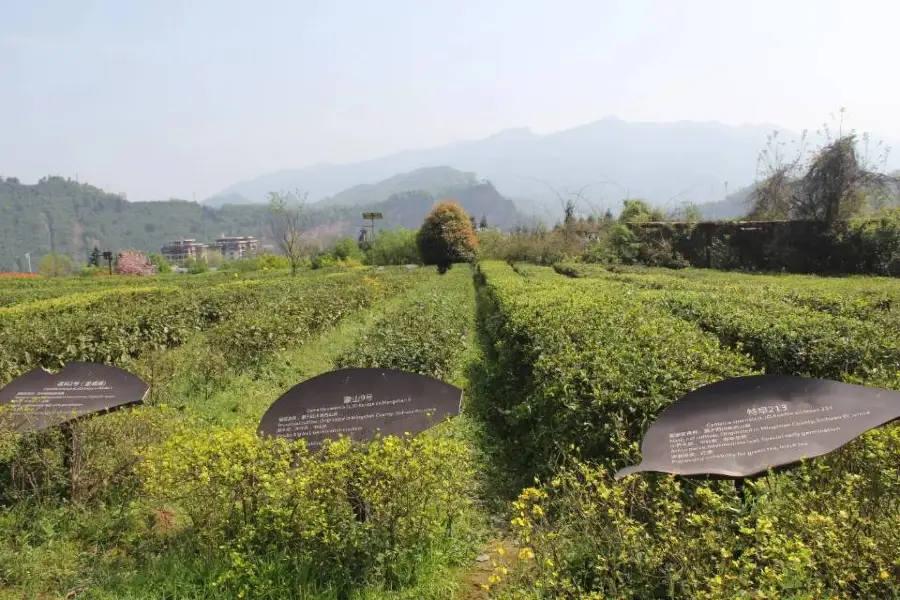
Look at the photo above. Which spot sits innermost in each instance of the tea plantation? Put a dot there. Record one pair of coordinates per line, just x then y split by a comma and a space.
563, 369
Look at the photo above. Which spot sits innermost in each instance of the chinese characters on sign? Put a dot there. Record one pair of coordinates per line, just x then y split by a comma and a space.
743, 426
359, 403
40, 399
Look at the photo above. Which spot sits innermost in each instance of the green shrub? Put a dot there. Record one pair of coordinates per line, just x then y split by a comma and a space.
161, 264
584, 362
271, 262
104, 452
394, 247
426, 334
825, 530
364, 514
56, 265
347, 249
91, 271
195, 267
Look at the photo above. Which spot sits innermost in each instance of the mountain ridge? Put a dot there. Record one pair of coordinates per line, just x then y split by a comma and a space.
563, 158
658, 161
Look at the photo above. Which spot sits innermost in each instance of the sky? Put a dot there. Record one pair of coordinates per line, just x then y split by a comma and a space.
166, 98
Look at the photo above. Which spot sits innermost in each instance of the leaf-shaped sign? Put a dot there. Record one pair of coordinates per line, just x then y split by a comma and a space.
744, 426
40, 399
358, 403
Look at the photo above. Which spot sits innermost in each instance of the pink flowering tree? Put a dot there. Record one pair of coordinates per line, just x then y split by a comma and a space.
131, 262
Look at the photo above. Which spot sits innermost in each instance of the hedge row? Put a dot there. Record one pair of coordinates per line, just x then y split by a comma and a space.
584, 363
595, 360
864, 298
426, 333
795, 340
193, 510
113, 327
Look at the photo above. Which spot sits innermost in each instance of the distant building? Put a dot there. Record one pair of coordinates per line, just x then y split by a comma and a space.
236, 248
181, 250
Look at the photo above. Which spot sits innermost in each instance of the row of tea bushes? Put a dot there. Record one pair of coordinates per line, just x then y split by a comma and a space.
116, 326
174, 502
618, 355
380, 514
585, 363
425, 333
871, 299
795, 340
16, 291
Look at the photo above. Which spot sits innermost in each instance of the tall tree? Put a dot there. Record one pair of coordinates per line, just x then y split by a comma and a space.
286, 219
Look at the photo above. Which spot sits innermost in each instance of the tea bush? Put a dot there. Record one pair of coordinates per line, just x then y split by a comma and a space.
598, 357
358, 514
584, 363
119, 325
826, 530
104, 453
425, 334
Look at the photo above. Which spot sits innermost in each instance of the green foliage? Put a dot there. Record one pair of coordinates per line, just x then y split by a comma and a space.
542, 247
55, 265
394, 247
635, 210
343, 253
595, 358
118, 325
814, 533
306, 307
874, 243
91, 271
491, 245
249, 499
214, 259
272, 262
426, 334
555, 342
347, 249
195, 267
262, 262
161, 264
447, 236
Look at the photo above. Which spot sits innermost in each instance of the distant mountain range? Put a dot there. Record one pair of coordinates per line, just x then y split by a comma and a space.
64, 216
664, 163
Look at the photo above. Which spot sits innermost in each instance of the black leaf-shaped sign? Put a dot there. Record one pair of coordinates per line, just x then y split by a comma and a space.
40, 399
358, 403
744, 426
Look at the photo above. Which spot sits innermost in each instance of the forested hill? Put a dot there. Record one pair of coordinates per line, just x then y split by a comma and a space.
60, 215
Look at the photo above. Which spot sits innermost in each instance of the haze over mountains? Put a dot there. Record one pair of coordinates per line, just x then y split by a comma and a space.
510, 178
664, 163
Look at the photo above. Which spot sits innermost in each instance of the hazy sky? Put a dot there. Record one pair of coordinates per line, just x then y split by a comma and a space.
161, 98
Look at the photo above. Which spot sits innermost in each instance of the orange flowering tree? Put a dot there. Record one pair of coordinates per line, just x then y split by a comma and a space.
446, 236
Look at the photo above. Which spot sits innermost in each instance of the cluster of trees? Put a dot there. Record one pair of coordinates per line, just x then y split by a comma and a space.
125, 262
842, 179
447, 236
